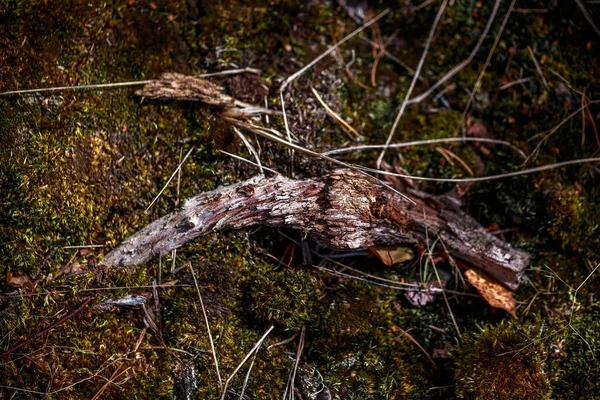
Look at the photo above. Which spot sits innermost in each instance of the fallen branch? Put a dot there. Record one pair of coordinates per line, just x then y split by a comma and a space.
344, 210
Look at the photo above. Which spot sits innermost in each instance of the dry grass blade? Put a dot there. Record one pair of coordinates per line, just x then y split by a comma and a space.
210, 338
424, 143
332, 49
413, 82
250, 149
462, 64
254, 349
348, 129
125, 84
537, 67
170, 178
412, 339
487, 63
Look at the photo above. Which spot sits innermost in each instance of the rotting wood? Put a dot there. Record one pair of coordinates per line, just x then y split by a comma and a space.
175, 86
344, 210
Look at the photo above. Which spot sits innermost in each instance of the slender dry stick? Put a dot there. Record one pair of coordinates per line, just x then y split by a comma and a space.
462, 64
486, 64
210, 338
170, 178
48, 329
414, 81
85, 246
254, 349
537, 67
332, 49
513, 83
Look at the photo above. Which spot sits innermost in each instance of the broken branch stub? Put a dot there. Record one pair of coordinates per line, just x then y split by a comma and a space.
343, 210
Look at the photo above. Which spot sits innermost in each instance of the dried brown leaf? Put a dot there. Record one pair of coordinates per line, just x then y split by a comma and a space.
492, 291
391, 255
18, 280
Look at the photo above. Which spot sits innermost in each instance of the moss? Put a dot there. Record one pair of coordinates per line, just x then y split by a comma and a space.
80, 167
505, 361
576, 374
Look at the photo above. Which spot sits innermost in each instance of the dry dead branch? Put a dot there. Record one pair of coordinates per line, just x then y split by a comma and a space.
344, 210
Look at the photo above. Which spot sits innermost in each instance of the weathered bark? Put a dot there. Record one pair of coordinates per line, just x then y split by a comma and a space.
344, 210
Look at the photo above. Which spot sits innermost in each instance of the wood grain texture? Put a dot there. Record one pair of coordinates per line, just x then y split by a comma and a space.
343, 211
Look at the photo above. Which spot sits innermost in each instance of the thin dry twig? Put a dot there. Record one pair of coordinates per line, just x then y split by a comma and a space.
250, 149
587, 16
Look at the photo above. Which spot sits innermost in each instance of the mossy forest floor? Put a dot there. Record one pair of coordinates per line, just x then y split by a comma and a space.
80, 168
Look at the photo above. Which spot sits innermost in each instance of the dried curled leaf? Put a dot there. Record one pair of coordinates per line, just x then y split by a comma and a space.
18, 280
391, 255
493, 292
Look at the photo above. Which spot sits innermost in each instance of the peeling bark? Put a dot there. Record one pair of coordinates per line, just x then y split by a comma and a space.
343, 210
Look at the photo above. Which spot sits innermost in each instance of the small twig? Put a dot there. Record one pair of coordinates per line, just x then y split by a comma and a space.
573, 308
248, 375
210, 338
437, 275
283, 342
488, 177
85, 246
48, 329
515, 82
249, 162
